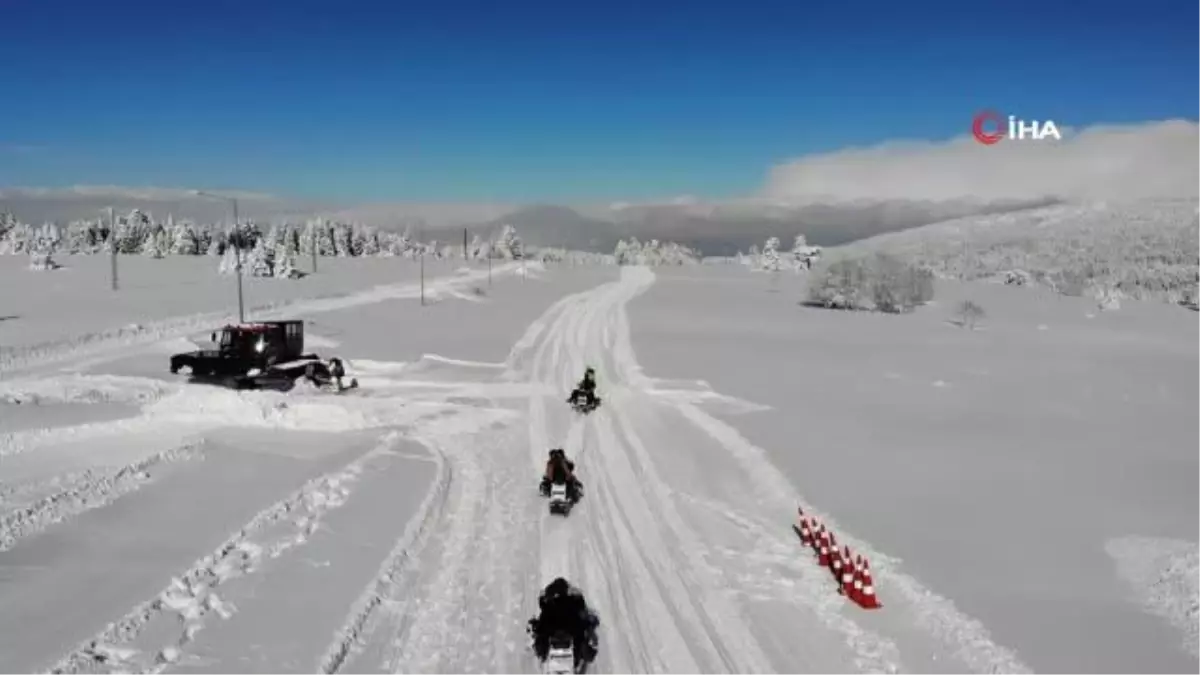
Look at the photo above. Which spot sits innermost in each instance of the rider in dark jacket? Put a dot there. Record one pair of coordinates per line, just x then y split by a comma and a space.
559, 469
562, 607
586, 387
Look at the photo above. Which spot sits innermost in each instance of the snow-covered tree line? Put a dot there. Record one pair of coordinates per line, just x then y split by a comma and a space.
266, 250
654, 253
771, 258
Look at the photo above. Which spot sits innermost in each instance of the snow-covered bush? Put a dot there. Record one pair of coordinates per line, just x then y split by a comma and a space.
1107, 298
880, 283
1017, 278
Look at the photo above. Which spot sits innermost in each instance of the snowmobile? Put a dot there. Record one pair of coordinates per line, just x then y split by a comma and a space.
559, 504
583, 398
580, 403
560, 660
329, 376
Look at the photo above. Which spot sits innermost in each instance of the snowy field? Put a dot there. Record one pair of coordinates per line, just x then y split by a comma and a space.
1026, 492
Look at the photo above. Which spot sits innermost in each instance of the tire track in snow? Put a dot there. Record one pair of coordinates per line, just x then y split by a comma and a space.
967, 638
78, 388
872, 652
113, 342
191, 597
17, 442
396, 570
655, 602
84, 492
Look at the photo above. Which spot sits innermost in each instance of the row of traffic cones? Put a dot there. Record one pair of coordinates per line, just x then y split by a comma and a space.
852, 574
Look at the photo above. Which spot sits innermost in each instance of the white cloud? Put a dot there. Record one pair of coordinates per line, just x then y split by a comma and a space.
1156, 159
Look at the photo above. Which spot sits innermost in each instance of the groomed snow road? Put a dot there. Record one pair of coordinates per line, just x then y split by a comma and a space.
682, 542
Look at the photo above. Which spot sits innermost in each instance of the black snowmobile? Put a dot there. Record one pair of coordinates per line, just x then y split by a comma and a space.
560, 484
564, 631
329, 376
583, 398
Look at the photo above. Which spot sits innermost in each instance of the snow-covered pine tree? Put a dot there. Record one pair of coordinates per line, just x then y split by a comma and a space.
342, 240
770, 260
284, 262
260, 260
78, 239
216, 244
358, 240
372, 245
19, 238
621, 251
183, 239
154, 243
272, 238
509, 244
803, 256
475, 248
45, 241
229, 261
291, 238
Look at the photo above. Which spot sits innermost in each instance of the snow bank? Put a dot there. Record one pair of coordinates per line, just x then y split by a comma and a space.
1163, 573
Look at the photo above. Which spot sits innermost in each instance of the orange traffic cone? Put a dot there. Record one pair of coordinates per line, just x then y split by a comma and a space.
803, 530
846, 583
823, 548
855, 590
835, 559
865, 589
818, 534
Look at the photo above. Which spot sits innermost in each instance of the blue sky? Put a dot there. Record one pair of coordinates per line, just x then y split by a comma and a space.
445, 100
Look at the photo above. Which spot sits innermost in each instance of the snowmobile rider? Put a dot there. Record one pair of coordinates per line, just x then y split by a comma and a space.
559, 469
562, 607
320, 374
587, 386
338, 371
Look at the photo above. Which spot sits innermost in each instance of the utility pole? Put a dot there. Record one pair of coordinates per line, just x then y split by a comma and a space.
489, 268
237, 237
237, 248
112, 245
464, 243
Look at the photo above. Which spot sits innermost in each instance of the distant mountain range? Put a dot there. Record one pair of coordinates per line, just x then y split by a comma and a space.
714, 228
725, 229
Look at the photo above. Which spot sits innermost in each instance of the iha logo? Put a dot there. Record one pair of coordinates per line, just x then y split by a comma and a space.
990, 127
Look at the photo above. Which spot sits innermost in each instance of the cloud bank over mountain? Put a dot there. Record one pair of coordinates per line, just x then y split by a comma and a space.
834, 198
1157, 159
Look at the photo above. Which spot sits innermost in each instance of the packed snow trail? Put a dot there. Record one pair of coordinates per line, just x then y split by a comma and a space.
682, 542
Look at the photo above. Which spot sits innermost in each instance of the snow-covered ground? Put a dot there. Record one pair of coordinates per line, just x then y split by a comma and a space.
998, 483
1003, 466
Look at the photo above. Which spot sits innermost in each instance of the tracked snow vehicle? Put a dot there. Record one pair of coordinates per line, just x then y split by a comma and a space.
265, 354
